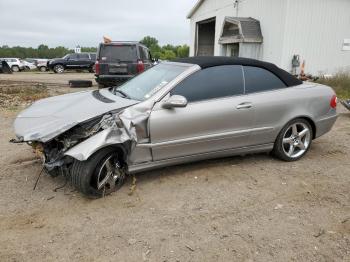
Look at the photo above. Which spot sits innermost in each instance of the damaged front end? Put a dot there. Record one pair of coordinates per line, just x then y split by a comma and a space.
119, 128
53, 151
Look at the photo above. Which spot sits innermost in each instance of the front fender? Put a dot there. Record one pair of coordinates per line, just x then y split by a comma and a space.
107, 137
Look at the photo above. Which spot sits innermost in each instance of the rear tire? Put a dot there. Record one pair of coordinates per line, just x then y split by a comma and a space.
42, 69
100, 175
294, 140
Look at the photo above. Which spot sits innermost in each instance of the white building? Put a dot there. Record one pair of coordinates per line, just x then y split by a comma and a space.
77, 49
315, 31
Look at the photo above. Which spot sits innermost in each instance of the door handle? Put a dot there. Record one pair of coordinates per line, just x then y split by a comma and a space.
244, 105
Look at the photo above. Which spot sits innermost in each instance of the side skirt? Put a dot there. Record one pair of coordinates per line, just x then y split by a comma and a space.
198, 157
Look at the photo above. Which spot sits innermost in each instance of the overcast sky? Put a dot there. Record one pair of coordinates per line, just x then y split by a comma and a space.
84, 22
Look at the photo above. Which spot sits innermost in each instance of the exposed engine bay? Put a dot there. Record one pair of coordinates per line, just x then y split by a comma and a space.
53, 151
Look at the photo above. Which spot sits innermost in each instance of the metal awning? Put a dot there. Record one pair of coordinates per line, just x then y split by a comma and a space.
240, 30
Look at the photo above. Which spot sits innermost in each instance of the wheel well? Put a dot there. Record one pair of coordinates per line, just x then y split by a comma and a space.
312, 123
122, 153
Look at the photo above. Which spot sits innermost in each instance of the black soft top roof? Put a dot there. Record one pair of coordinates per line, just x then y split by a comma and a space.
210, 61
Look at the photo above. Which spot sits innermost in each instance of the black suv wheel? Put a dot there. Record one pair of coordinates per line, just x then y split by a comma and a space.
58, 69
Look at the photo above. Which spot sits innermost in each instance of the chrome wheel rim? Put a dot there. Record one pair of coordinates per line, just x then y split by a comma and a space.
296, 140
59, 69
109, 175
15, 69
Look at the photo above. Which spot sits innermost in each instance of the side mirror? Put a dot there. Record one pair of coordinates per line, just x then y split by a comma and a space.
175, 101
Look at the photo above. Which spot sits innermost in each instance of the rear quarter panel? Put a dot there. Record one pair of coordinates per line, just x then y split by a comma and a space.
276, 108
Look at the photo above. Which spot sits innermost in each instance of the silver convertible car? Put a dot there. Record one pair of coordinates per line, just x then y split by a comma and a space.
188, 110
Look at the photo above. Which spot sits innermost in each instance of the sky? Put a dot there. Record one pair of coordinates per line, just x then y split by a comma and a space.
67, 23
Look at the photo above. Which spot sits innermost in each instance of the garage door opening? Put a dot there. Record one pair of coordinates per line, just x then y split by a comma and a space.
205, 37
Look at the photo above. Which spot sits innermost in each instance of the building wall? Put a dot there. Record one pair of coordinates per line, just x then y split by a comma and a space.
271, 14
315, 30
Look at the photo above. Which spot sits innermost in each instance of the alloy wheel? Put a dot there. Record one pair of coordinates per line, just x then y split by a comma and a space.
296, 140
59, 69
109, 175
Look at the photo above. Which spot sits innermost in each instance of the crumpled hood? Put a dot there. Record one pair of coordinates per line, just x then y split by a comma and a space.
47, 118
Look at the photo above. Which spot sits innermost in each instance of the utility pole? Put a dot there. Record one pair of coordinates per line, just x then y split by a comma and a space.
236, 6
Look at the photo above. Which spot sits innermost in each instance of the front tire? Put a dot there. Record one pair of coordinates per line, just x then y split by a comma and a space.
15, 68
100, 175
294, 140
59, 69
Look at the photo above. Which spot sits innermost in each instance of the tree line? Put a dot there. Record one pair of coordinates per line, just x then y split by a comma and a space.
42, 51
166, 52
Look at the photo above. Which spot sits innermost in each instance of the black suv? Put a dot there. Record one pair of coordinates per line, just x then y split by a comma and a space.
73, 61
119, 61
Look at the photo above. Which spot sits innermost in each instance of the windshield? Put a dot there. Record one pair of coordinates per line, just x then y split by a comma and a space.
117, 53
65, 57
148, 83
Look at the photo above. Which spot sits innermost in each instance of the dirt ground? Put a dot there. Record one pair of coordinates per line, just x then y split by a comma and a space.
252, 208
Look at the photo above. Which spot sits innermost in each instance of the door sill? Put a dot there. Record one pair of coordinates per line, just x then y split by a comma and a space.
198, 157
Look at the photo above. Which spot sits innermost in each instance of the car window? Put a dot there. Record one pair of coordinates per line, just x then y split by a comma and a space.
83, 56
145, 53
73, 56
93, 57
117, 53
142, 55
213, 82
258, 80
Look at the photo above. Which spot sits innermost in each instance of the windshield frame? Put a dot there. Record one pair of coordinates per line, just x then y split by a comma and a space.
188, 69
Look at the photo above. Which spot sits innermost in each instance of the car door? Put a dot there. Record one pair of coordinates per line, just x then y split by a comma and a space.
217, 116
72, 61
84, 60
271, 101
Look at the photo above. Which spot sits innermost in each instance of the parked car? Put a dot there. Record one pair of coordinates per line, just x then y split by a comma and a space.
73, 61
40, 63
117, 62
28, 65
176, 112
15, 64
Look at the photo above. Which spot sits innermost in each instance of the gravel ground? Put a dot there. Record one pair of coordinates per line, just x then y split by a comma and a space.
252, 208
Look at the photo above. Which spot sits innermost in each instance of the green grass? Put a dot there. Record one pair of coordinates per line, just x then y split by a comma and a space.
340, 83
